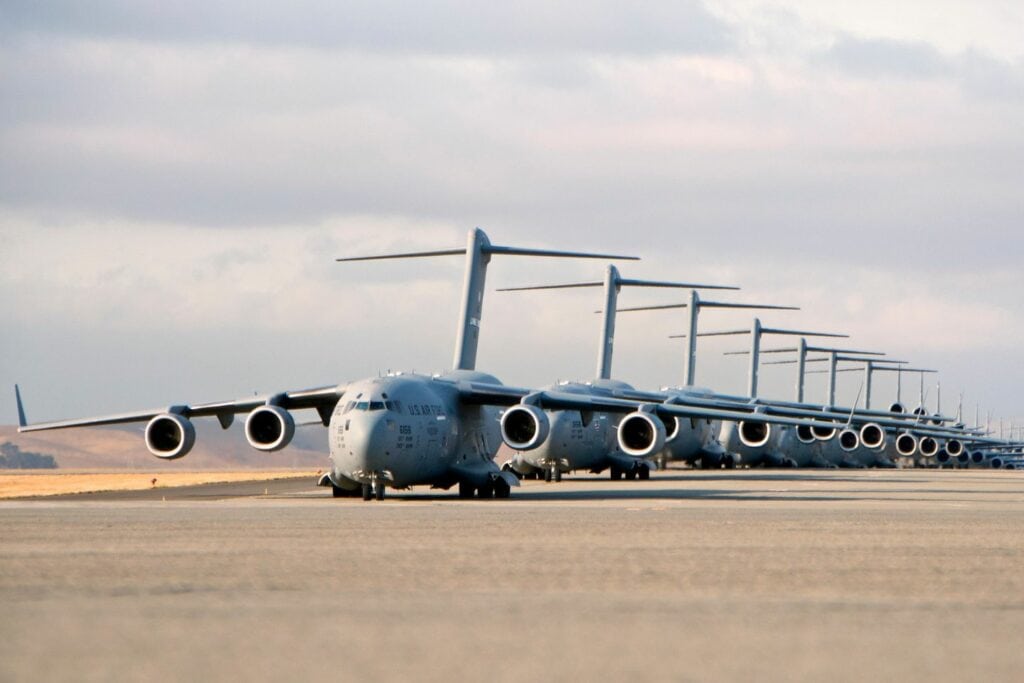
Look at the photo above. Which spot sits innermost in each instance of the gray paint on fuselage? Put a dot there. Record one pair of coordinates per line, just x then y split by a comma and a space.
422, 435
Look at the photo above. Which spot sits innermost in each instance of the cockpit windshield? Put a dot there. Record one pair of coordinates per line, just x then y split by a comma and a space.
373, 405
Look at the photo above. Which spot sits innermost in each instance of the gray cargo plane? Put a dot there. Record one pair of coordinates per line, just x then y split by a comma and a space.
403, 430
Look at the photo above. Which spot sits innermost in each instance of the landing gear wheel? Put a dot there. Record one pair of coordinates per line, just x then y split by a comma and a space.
465, 490
631, 475
558, 474
367, 492
378, 490
644, 472
547, 475
486, 490
338, 492
502, 489
616, 474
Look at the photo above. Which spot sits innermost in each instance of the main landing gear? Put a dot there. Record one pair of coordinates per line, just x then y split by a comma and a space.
375, 489
496, 488
642, 472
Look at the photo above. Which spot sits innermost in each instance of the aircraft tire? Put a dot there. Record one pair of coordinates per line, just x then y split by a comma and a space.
367, 492
338, 492
465, 490
644, 472
616, 473
486, 491
558, 474
379, 490
631, 475
547, 476
502, 489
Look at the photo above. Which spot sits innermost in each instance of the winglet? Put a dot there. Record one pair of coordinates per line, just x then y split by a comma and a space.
22, 422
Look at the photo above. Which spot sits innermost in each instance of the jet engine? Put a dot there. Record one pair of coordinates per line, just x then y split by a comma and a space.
824, 433
671, 428
641, 434
872, 436
977, 457
805, 434
524, 427
928, 446
754, 434
269, 428
170, 436
906, 444
848, 440
954, 447
897, 408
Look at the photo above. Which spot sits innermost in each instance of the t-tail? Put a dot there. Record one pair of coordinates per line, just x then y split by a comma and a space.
478, 252
613, 283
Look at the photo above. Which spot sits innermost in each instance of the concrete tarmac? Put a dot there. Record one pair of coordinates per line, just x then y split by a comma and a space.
756, 575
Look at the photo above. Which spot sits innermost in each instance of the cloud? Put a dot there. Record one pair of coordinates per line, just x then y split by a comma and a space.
877, 57
440, 27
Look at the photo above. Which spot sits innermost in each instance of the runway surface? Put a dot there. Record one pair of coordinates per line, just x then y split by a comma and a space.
909, 575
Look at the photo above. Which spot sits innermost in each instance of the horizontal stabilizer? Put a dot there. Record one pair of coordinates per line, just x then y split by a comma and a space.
411, 254
709, 304
802, 333
518, 251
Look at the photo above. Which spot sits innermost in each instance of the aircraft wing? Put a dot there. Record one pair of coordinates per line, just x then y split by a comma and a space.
322, 399
811, 412
479, 393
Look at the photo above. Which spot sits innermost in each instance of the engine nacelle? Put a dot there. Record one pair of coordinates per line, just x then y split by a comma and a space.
824, 433
977, 457
872, 436
906, 444
805, 434
754, 434
898, 408
928, 446
848, 440
524, 427
671, 428
170, 436
641, 434
954, 447
269, 428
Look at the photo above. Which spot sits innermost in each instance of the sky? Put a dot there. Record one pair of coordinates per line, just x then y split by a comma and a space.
176, 180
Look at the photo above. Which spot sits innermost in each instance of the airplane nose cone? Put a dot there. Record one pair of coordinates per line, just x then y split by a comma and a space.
369, 443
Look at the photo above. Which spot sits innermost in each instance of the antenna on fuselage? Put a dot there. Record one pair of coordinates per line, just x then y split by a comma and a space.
478, 253
694, 306
612, 283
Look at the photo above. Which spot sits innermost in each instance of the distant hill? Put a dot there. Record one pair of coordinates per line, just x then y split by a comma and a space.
123, 448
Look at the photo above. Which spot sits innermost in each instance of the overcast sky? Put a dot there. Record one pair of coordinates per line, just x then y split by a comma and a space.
177, 178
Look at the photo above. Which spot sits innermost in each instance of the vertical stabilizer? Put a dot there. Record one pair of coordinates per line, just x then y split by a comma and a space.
467, 335
22, 422
611, 298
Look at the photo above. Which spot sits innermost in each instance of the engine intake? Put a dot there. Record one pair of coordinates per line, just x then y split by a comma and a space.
524, 427
671, 428
824, 433
954, 447
906, 444
269, 428
928, 446
754, 434
872, 436
641, 435
848, 440
805, 434
898, 408
170, 436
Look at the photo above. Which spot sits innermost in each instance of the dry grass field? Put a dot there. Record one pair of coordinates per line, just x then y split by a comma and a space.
35, 483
